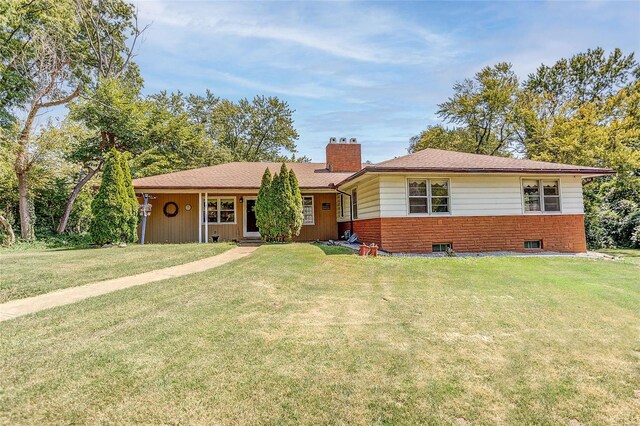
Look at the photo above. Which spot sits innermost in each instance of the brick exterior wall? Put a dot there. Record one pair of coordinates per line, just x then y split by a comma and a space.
344, 157
561, 233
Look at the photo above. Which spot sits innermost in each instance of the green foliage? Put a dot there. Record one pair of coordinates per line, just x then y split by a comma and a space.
112, 212
612, 212
265, 212
279, 206
295, 211
175, 136
24, 25
439, 137
256, 130
487, 106
130, 205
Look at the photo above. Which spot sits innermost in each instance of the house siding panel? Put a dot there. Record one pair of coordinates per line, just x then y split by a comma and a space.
477, 195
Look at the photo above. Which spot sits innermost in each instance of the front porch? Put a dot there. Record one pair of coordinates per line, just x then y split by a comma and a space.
185, 217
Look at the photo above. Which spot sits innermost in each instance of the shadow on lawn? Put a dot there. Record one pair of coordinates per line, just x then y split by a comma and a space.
333, 250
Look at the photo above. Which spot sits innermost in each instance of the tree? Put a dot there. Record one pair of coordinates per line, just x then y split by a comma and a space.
487, 106
131, 201
175, 136
112, 215
256, 130
295, 209
108, 33
439, 137
279, 206
40, 69
585, 110
264, 209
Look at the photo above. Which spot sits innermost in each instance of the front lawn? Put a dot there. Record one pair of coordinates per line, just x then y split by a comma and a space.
29, 272
294, 335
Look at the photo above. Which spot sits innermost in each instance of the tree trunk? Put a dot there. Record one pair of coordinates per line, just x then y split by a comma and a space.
7, 227
74, 194
25, 213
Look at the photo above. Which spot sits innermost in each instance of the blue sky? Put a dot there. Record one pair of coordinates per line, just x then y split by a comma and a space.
374, 70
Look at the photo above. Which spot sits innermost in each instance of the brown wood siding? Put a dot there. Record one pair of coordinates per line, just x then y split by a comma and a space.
326, 224
182, 228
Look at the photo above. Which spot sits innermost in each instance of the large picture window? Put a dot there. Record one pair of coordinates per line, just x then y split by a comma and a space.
541, 195
307, 210
220, 210
428, 196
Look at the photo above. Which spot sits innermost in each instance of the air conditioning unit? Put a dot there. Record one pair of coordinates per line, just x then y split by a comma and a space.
343, 140
332, 140
353, 140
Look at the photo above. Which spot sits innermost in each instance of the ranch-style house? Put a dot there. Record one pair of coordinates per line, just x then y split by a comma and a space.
418, 203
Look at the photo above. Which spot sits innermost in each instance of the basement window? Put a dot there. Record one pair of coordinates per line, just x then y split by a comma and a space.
441, 247
533, 245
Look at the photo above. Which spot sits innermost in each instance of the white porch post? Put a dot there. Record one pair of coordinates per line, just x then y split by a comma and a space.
199, 217
206, 217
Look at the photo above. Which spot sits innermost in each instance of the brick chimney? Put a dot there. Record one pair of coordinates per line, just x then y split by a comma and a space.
343, 156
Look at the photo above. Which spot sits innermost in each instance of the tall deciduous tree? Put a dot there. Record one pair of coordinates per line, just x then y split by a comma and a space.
488, 107
256, 130
108, 33
40, 68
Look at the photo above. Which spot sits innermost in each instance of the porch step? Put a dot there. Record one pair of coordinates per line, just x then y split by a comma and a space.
250, 242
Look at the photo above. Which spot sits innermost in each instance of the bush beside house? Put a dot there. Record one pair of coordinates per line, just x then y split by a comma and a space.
279, 206
115, 207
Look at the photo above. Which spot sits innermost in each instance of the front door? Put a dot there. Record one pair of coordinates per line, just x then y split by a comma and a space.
250, 227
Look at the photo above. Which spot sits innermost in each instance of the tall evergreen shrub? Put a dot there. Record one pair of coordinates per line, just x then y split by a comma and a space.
130, 208
296, 211
114, 216
279, 206
264, 209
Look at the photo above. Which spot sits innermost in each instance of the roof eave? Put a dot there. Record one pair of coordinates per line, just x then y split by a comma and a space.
590, 172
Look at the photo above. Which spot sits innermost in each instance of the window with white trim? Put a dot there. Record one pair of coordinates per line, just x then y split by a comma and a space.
354, 203
220, 210
428, 196
341, 201
440, 247
537, 200
307, 210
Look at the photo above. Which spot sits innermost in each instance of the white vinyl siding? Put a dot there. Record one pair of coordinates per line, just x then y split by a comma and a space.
343, 207
368, 199
477, 195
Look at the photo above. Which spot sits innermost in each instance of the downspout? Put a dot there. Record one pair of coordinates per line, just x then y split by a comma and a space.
350, 209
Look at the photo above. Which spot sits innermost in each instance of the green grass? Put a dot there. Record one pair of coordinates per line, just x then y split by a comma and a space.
29, 272
291, 335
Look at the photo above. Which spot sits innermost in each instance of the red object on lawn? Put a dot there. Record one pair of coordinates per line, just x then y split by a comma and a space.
374, 250
364, 249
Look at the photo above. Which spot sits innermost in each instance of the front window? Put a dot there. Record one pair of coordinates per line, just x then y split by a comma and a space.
354, 203
220, 210
307, 210
541, 195
341, 200
428, 196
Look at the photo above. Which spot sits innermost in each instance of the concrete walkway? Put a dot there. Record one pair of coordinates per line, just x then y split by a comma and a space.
16, 308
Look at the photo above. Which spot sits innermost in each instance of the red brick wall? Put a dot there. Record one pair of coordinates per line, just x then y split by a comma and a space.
562, 233
344, 157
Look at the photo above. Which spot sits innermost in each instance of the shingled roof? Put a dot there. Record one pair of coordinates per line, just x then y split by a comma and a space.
315, 175
240, 175
438, 160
